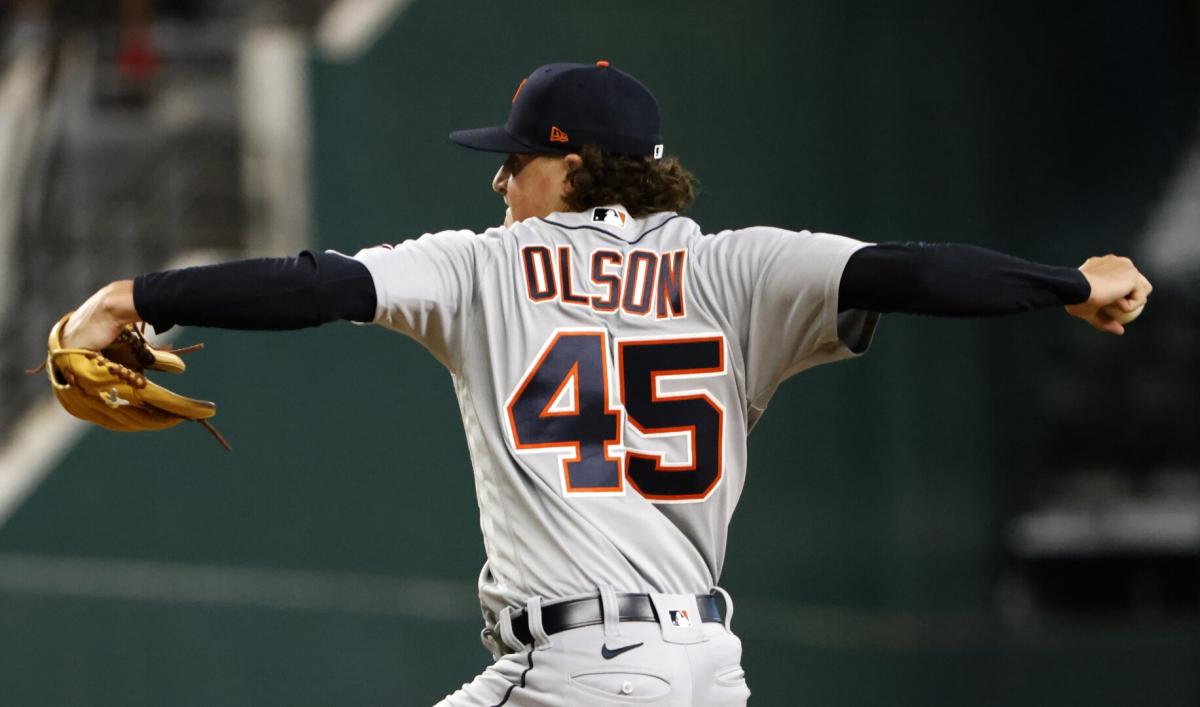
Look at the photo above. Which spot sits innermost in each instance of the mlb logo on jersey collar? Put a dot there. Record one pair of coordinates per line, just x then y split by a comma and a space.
611, 215
613, 220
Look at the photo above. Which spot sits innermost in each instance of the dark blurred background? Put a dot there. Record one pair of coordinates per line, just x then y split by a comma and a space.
1000, 512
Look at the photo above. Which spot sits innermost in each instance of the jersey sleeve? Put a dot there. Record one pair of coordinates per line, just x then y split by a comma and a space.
424, 288
783, 288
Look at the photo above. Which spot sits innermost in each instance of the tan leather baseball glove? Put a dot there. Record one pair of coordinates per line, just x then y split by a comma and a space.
110, 387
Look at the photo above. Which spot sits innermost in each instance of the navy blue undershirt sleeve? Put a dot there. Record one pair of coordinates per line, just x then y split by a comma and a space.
306, 290
953, 280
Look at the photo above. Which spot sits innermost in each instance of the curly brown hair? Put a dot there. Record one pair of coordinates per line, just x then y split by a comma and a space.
643, 185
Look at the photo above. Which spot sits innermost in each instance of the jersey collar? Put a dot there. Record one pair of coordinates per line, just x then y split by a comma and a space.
614, 221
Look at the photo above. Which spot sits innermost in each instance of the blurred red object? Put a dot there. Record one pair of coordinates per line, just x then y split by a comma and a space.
137, 59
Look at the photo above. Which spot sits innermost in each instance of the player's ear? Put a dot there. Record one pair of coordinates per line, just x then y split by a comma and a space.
572, 162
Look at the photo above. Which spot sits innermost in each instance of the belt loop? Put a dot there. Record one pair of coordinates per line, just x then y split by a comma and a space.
488, 638
506, 630
533, 610
728, 608
610, 611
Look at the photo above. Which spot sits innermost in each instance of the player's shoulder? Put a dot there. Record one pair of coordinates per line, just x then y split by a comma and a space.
746, 234
490, 242
729, 242
447, 238
757, 237
755, 249
459, 247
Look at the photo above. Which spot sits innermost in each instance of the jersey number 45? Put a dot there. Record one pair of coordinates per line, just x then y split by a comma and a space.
562, 404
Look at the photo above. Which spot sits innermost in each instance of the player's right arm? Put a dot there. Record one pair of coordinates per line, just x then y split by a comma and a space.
954, 279
803, 299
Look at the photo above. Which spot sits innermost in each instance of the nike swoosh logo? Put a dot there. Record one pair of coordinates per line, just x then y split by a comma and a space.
609, 654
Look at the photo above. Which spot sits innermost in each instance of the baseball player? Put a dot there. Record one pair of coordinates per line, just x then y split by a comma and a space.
610, 358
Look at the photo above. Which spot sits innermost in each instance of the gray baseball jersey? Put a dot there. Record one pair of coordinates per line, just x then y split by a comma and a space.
608, 370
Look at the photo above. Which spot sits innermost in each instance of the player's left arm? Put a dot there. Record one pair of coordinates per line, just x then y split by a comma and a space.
305, 290
949, 279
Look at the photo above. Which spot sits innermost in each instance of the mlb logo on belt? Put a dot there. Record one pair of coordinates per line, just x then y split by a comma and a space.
679, 617
613, 217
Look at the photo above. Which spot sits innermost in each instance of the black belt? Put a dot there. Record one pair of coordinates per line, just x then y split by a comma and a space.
577, 613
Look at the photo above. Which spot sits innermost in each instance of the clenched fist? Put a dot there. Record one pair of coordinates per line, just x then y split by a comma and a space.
1117, 287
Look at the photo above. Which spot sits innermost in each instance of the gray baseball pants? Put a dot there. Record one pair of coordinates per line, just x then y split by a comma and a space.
697, 666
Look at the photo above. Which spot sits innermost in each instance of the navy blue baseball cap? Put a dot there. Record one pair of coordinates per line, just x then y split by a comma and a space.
562, 107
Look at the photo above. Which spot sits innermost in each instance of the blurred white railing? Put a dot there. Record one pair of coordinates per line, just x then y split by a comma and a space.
20, 111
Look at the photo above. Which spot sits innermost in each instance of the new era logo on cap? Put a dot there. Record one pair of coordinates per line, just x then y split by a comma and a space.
557, 135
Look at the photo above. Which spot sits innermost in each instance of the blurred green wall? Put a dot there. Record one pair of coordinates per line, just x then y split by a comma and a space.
865, 554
